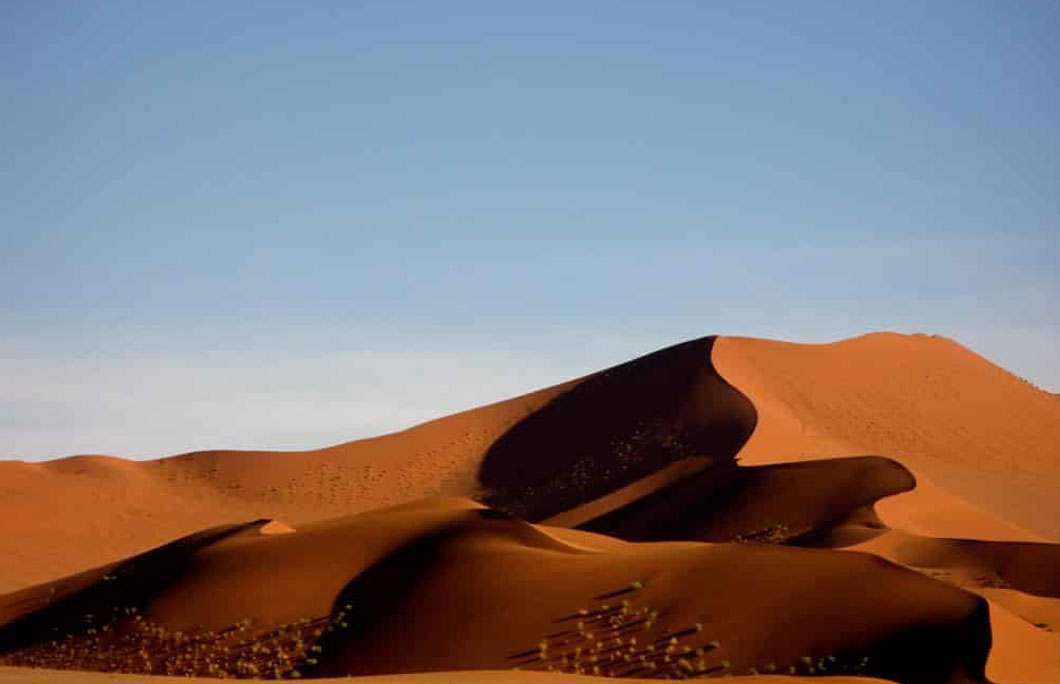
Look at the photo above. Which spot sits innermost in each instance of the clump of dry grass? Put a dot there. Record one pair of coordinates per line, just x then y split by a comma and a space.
774, 534
623, 640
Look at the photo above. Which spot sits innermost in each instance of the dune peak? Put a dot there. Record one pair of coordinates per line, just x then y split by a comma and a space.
276, 527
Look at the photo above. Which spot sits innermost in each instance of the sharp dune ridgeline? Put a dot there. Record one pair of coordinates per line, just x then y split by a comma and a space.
884, 508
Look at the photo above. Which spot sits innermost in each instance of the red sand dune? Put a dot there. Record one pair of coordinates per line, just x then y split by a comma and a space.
565, 444
974, 430
10, 675
82, 511
444, 585
906, 448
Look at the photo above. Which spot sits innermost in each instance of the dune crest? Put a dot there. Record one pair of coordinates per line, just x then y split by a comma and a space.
276, 527
729, 500
446, 584
133, 506
963, 425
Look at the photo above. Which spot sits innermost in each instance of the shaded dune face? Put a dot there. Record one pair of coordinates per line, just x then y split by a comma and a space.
34, 615
1027, 566
957, 420
776, 503
137, 505
609, 434
438, 586
646, 451
480, 594
614, 428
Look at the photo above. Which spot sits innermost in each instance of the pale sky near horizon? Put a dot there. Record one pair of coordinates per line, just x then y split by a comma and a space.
290, 224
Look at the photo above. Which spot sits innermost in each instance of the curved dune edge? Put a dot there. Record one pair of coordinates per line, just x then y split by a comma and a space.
789, 384
615, 432
136, 502
1020, 652
421, 574
136, 505
1039, 611
139, 505
1025, 625
675, 407
969, 430
795, 503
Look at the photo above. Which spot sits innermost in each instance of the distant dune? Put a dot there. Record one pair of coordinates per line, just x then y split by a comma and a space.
878, 507
82, 511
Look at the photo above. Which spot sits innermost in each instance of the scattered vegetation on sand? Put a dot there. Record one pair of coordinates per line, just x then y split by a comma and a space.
126, 642
617, 638
992, 580
774, 534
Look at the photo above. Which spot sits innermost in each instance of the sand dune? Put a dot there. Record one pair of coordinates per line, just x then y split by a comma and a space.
83, 511
974, 430
10, 675
565, 445
445, 585
615, 428
830, 466
1026, 566
1021, 652
776, 503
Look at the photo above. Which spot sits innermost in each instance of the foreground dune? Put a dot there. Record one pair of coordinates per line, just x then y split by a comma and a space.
446, 585
10, 675
769, 493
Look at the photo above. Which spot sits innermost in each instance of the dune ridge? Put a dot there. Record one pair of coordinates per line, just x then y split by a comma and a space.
77, 512
495, 585
674, 407
960, 423
785, 478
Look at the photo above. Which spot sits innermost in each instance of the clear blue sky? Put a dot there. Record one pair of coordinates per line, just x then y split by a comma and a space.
285, 224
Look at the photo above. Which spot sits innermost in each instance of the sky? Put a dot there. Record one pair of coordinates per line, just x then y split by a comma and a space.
292, 224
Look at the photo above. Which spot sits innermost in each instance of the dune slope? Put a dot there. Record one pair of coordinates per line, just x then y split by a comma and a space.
615, 428
969, 430
14, 675
768, 444
775, 503
535, 455
447, 585
74, 513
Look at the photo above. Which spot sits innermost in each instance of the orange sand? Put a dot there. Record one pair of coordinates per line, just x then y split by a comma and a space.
982, 437
910, 449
